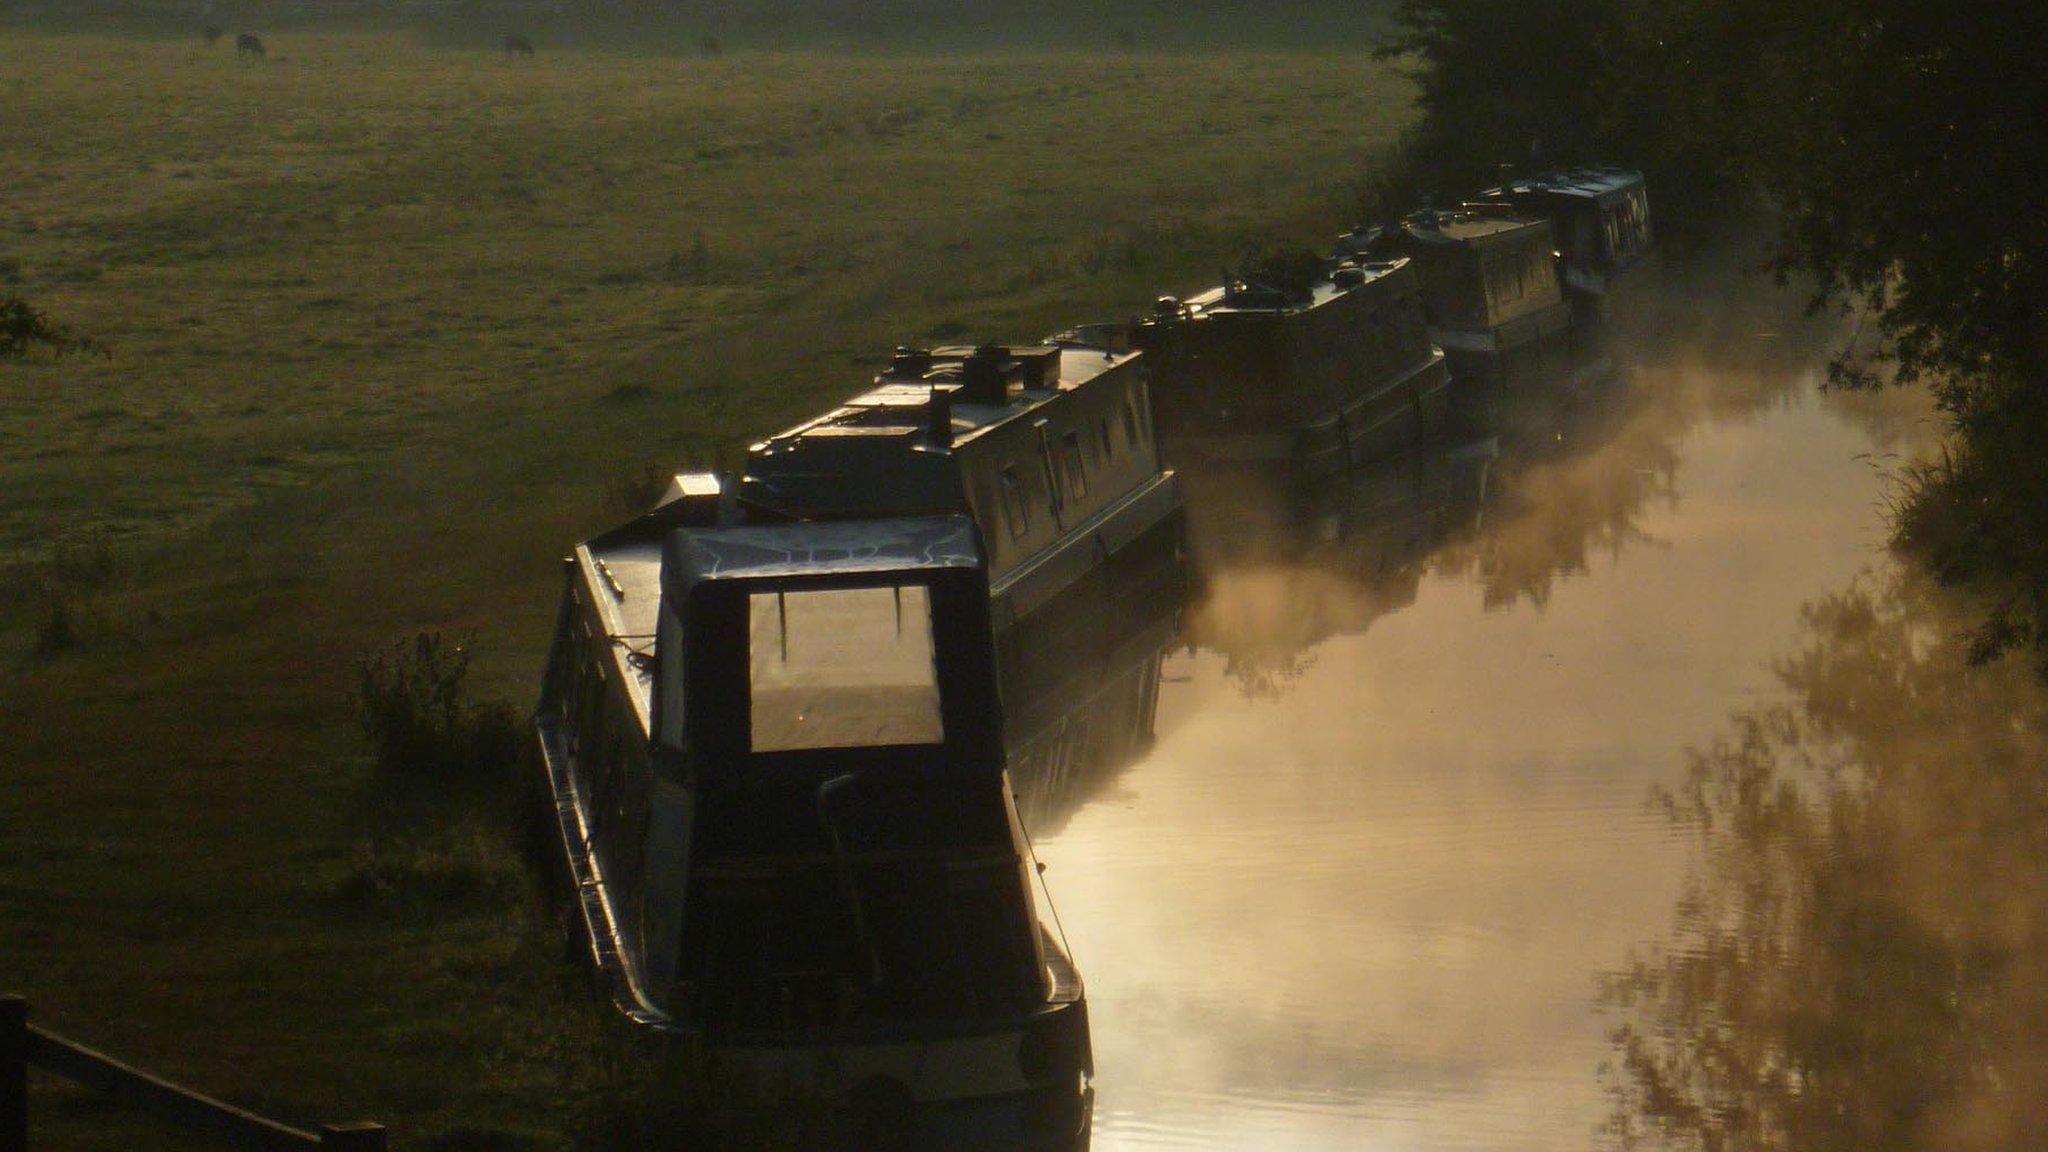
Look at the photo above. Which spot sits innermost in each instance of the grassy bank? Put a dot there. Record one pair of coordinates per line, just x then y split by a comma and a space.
694, 27
392, 326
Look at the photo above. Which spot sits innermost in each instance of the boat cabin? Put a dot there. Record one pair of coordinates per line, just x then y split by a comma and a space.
1600, 219
1491, 293
1489, 278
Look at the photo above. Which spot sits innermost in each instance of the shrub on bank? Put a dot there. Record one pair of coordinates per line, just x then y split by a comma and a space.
413, 703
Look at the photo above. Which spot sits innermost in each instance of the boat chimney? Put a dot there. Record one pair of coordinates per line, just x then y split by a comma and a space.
981, 376
938, 412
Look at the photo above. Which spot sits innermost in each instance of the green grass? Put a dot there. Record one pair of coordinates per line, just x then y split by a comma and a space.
389, 324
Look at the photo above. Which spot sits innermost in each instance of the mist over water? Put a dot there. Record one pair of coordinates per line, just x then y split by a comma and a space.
1395, 872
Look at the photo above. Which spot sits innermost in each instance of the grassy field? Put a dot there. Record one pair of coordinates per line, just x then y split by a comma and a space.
392, 327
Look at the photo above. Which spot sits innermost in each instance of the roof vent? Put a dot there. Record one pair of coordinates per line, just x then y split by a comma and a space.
938, 427
981, 376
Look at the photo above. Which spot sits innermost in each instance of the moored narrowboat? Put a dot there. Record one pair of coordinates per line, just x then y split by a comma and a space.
1050, 449
1600, 220
1314, 377
775, 754
1491, 293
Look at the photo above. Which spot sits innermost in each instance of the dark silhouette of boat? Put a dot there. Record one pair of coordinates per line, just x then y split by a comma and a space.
1600, 221
1314, 377
775, 759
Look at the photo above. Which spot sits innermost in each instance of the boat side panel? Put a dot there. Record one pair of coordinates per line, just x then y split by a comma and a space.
1031, 482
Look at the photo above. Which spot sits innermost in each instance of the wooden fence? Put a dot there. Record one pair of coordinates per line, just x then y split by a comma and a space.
23, 1045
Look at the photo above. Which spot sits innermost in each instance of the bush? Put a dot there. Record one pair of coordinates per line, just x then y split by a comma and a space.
413, 707
65, 592
24, 327
58, 631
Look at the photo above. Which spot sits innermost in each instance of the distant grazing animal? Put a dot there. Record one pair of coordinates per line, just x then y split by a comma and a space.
213, 34
247, 44
516, 45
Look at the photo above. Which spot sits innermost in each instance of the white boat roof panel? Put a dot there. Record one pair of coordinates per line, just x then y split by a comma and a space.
894, 407
1586, 182
629, 585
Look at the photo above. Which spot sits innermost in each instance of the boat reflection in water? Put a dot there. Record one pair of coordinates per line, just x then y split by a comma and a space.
1861, 957
1093, 717
1393, 825
1282, 571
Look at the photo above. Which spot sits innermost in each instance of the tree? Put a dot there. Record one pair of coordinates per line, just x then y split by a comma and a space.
1502, 82
23, 327
1896, 147
1901, 144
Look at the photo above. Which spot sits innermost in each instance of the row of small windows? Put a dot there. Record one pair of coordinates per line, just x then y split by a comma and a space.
1071, 481
1512, 275
1628, 223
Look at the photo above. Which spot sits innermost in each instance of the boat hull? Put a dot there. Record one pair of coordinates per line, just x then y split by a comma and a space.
1377, 423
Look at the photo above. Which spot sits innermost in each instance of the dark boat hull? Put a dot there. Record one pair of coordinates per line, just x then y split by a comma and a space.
1379, 422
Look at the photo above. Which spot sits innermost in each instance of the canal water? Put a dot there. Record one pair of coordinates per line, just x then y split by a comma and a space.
1567, 816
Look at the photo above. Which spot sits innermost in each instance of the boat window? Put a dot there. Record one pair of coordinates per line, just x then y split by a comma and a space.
843, 668
1504, 278
1108, 446
1074, 465
1048, 472
590, 696
1016, 510
1131, 421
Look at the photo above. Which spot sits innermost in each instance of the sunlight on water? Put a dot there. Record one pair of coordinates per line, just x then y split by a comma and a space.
1362, 891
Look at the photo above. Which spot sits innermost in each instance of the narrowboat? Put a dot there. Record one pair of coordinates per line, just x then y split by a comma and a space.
1600, 220
1049, 448
1313, 377
1494, 303
775, 754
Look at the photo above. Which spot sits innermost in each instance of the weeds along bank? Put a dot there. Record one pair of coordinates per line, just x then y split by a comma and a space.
389, 324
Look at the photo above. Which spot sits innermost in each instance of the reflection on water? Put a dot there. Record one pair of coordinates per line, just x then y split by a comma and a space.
1861, 958
1362, 887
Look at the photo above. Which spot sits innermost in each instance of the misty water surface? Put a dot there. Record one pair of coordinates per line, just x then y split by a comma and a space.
1464, 848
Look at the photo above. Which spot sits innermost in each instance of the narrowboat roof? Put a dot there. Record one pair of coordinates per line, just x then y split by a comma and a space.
630, 571
1464, 226
1223, 300
899, 404
819, 548
1590, 183
630, 566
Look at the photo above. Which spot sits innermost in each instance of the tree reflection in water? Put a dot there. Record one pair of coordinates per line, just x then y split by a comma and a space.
1861, 958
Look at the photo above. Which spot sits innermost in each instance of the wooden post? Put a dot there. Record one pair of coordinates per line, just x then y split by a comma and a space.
13, 1074
349, 1138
